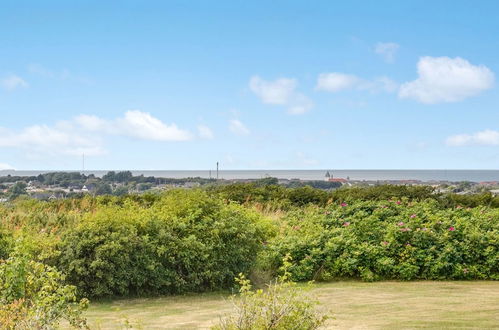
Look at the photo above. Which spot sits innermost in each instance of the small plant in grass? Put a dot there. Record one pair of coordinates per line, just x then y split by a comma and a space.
281, 305
34, 296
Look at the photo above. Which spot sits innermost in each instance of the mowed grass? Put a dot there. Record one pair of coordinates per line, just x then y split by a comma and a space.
354, 305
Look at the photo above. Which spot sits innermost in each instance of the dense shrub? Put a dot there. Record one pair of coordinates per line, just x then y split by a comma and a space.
275, 196
6, 242
384, 192
34, 296
389, 239
187, 241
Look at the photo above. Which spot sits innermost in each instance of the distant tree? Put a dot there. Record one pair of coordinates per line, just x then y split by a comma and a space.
18, 189
266, 181
109, 176
120, 191
144, 186
124, 176
103, 189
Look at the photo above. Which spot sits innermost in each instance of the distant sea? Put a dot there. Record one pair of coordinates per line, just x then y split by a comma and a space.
370, 175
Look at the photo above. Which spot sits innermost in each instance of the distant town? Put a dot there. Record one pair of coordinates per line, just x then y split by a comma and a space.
58, 185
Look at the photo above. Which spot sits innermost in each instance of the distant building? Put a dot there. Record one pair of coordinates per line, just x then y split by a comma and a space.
341, 180
329, 178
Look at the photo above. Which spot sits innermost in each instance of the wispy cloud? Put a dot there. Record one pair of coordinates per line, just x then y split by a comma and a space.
336, 82
48, 141
238, 128
5, 166
282, 92
445, 79
64, 74
13, 82
486, 137
205, 132
387, 50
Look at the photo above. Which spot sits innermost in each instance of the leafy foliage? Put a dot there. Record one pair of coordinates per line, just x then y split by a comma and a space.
390, 239
34, 296
187, 241
280, 306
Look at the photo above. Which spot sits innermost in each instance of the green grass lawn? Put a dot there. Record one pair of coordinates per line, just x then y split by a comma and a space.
354, 305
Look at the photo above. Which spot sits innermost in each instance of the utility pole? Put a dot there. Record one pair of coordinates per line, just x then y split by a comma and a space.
217, 170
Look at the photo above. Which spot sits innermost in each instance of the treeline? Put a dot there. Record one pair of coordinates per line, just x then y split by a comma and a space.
277, 196
66, 179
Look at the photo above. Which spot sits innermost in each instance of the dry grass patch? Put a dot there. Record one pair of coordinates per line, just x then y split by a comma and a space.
355, 305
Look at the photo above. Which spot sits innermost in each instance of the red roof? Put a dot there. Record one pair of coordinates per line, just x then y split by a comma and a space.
338, 180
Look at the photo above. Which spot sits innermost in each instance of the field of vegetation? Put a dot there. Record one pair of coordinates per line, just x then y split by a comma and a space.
57, 254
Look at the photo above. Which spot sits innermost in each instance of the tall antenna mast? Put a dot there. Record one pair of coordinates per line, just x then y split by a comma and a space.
217, 170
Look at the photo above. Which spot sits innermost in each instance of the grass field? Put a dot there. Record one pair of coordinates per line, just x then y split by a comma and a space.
354, 305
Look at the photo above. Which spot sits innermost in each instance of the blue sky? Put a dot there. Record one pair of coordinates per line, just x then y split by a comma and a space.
252, 84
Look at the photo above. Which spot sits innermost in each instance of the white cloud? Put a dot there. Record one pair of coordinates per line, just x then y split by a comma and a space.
91, 122
86, 133
134, 123
336, 81
238, 128
273, 92
281, 91
5, 166
13, 82
445, 79
205, 132
387, 50
42, 139
486, 137
144, 126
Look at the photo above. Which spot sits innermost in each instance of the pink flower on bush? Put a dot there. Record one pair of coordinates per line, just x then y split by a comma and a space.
424, 229
451, 228
400, 223
398, 202
296, 227
385, 243
405, 229
408, 244
344, 204
346, 224
413, 216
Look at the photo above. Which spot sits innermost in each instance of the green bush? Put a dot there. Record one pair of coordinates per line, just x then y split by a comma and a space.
186, 241
390, 240
281, 306
34, 296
